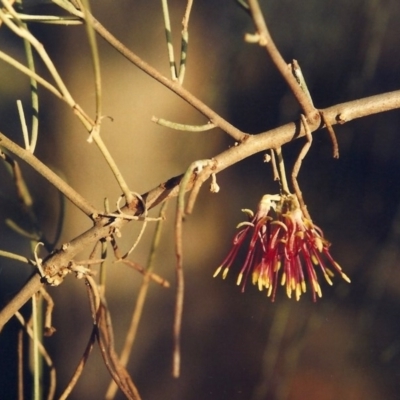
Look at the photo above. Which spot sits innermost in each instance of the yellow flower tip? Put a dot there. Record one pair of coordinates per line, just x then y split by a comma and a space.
225, 273
298, 291
269, 292
248, 212
346, 278
217, 271
327, 278
289, 292
258, 280
329, 272
314, 259
303, 286
316, 287
264, 282
283, 279
277, 266
293, 284
255, 277
319, 244
245, 223
319, 292
338, 266
239, 279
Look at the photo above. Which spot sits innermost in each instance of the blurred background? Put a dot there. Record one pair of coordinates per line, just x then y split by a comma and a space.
234, 346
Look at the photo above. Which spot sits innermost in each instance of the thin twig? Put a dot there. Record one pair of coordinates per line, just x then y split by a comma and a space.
298, 74
105, 340
20, 351
142, 229
48, 327
94, 305
70, 6
79, 368
34, 94
170, 44
23, 124
137, 267
297, 166
183, 127
184, 41
35, 234
136, 316
95, 60
118, 373
195, 167
332, 135
274, 167
244, 5
282, 171
180, 282
95, 136
45, 355
5, 57
59, 222
22, 232
266, 41
17, 257
25, 34
202, 175
103, 254
49, 19
37, 370
23, 193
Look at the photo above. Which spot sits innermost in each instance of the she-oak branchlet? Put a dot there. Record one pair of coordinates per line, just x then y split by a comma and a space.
285, 246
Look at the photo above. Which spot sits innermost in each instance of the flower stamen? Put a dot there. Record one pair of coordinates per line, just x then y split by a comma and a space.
283, 243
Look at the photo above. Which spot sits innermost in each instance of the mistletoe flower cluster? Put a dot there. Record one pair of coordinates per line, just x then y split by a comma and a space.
285, 247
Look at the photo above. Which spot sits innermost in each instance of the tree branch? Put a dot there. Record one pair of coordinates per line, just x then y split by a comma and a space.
337, 114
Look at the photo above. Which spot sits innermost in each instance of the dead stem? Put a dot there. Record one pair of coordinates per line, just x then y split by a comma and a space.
274, 167
48, 328
20, 351
297, 166
184, 41
151, 275
266, 41
44, 354
141, 297
332, 135
82, 362
106, 344
282, 171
